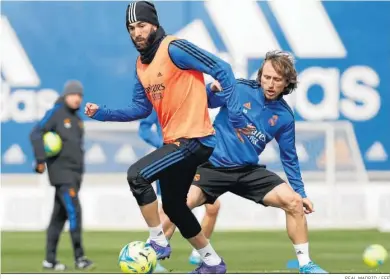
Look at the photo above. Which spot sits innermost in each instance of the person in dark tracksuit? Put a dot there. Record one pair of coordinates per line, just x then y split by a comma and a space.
65, 173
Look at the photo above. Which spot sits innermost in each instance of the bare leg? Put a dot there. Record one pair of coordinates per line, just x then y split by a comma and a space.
150, 213
210, 218
284, 197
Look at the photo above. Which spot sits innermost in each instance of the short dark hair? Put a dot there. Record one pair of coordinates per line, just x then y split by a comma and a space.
284, 64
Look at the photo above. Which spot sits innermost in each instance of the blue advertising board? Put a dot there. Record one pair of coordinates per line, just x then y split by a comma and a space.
342, 52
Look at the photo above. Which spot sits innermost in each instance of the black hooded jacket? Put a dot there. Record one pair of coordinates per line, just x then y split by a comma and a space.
68, 125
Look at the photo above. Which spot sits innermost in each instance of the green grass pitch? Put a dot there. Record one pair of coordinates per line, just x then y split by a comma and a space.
244, 252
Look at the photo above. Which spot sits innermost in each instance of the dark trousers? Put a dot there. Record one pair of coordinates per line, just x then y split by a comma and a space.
175, 166
66, 207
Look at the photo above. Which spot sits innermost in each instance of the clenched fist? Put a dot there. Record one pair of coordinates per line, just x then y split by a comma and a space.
90, 109
216, 86
39, 167
308, 206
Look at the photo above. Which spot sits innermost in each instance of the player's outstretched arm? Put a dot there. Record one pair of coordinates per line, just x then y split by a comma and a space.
138, 109
146, 133
289, 157
187, 56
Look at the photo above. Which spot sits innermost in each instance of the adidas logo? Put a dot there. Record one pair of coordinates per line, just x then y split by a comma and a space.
21, 99
159, 74
207, 255
376, 153
321, 40
276, 28
14, 155
247, 105
17, 68
299, 252
160, 233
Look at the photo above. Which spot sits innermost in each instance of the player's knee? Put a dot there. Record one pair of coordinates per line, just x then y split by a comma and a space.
195, 197
141, 188
132, 175
194, 201
191, 203
213, 209
293, 204
135, 179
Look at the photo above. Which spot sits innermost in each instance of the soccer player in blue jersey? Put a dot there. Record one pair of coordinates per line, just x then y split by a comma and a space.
233, 166
155, 139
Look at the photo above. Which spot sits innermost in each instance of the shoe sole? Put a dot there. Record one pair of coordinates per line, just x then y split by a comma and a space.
45, 269
163, 258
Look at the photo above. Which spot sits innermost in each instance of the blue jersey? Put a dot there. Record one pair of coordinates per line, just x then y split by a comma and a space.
155, 139
272, 119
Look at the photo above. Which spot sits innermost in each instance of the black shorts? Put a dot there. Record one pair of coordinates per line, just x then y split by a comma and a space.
250, 182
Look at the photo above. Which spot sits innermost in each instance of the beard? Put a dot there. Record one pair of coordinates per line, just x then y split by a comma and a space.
145, 42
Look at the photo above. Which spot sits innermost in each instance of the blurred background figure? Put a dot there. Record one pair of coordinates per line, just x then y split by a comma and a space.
65, 172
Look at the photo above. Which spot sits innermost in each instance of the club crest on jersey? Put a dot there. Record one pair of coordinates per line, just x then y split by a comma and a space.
247, 105
72, 192
273, 120
197, 177
67, 123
